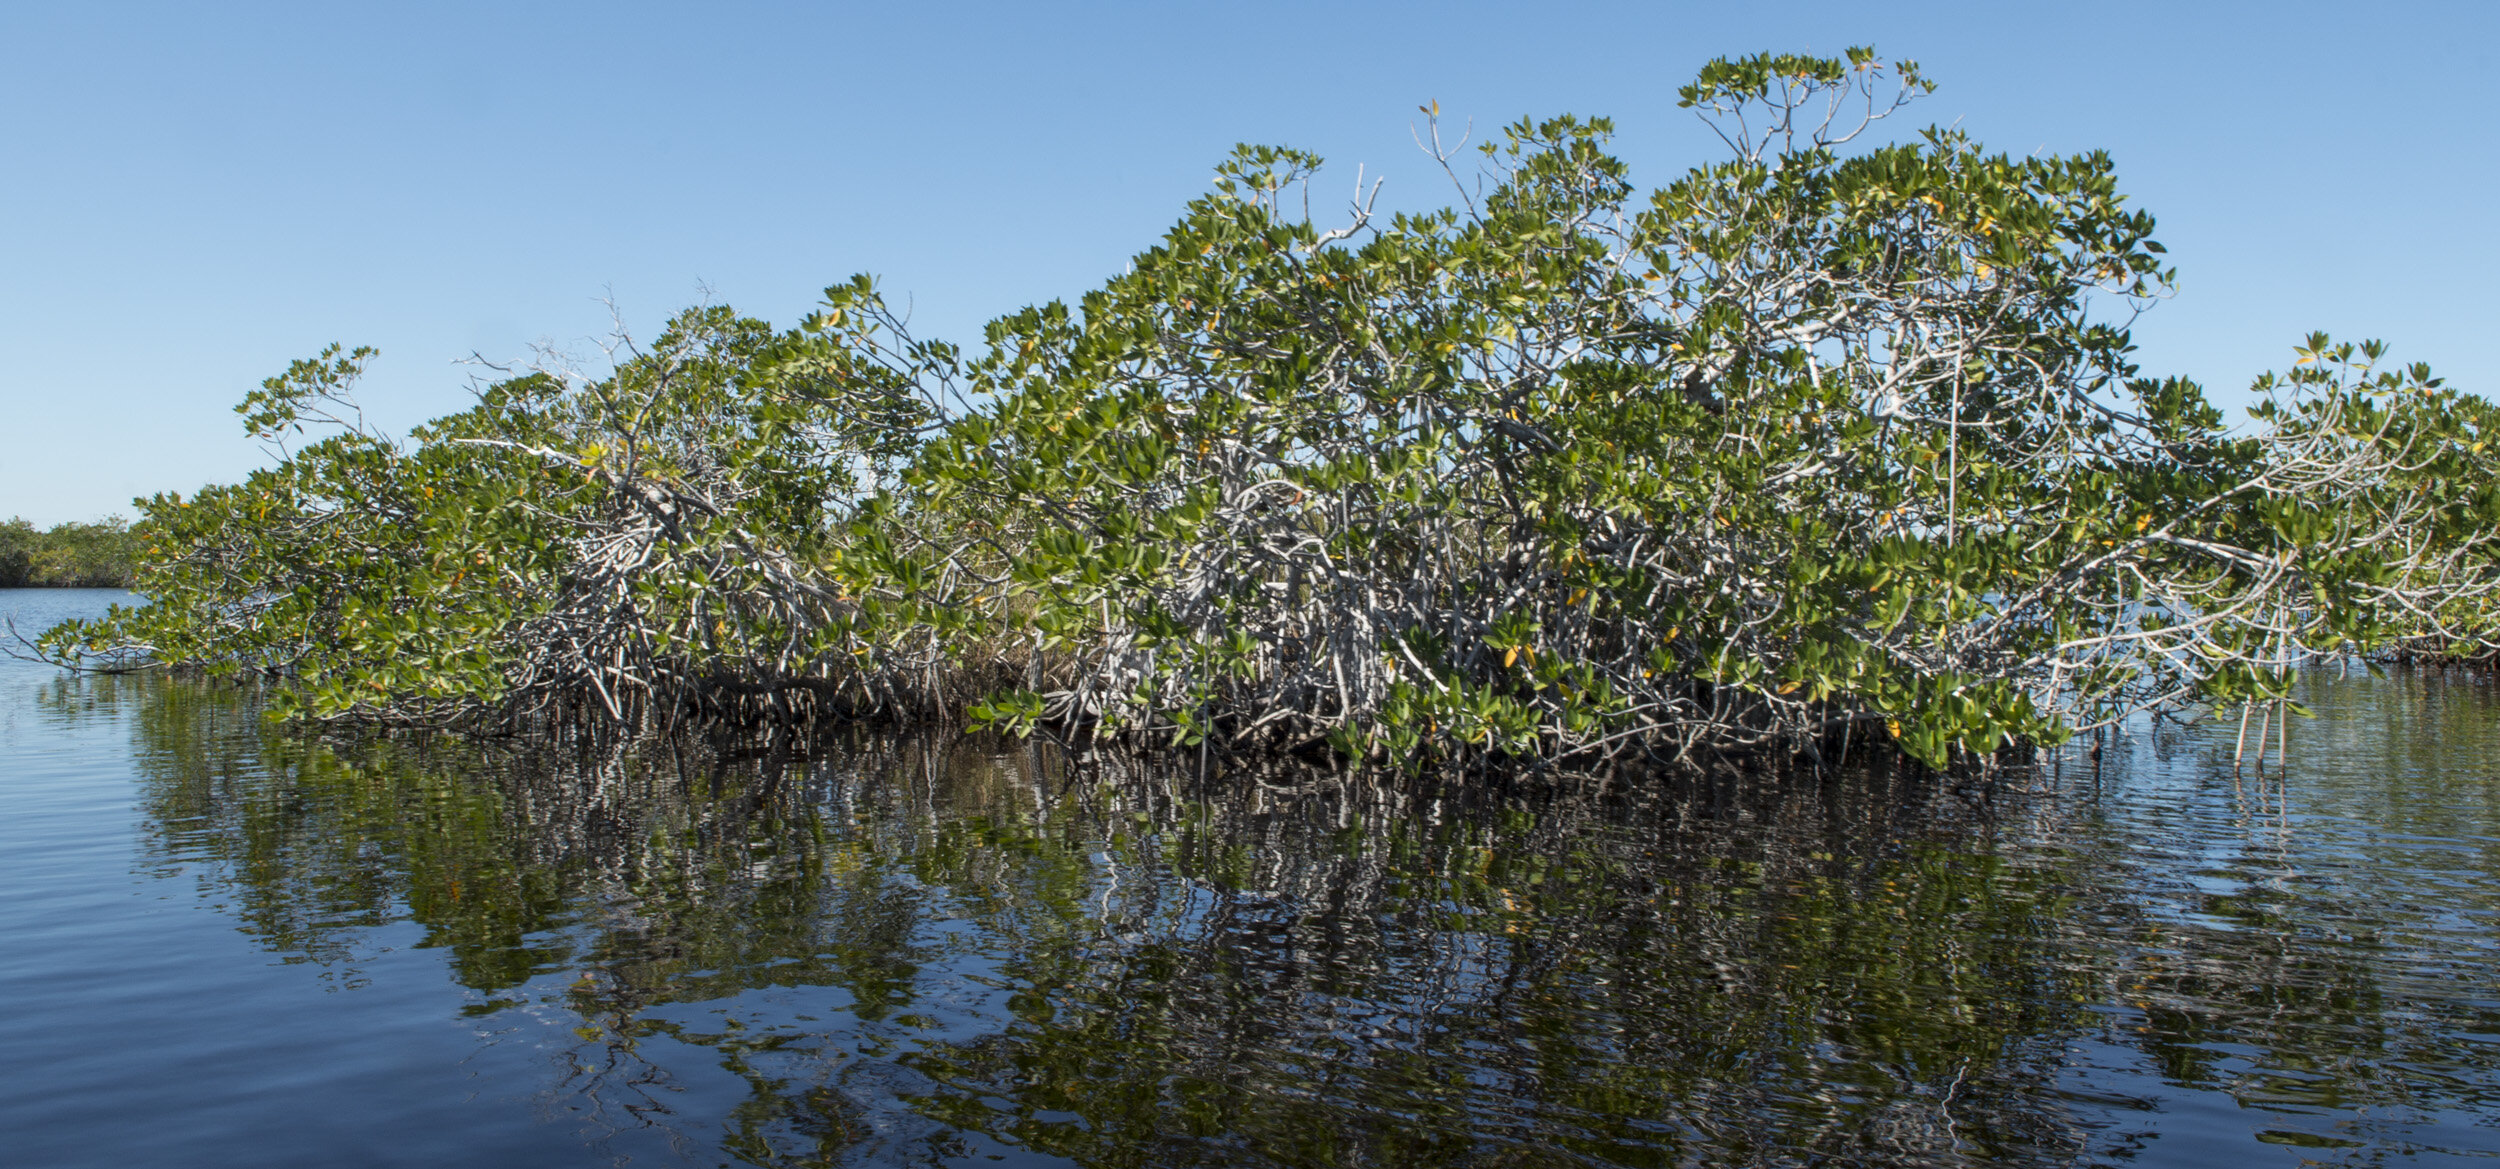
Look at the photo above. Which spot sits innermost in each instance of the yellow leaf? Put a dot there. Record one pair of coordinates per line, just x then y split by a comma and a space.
1511, 657
1790, 688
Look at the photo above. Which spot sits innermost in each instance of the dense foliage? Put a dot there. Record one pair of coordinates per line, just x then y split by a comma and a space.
1821, 443
99, 555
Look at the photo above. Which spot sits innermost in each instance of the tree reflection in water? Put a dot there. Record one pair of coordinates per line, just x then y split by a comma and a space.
909, 950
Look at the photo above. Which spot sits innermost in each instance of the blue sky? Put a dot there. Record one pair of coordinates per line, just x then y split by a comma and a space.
192, 195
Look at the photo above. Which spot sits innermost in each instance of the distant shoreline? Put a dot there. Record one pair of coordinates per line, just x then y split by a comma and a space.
99, 555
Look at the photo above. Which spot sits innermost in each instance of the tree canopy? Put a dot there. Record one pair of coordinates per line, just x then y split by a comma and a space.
1836, 439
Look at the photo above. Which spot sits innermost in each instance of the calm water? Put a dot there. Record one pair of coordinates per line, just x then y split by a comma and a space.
228, 947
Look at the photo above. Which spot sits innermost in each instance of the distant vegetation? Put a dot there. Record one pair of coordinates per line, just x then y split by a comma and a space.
1824, 444
101, 555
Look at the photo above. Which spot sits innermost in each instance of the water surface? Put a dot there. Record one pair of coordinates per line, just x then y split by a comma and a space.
229, 946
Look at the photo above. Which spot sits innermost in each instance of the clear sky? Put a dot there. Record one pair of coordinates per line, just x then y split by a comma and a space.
192, 194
